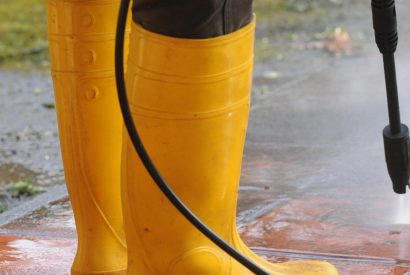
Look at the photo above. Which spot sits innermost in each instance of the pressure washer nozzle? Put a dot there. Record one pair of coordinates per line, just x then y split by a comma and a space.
396, 148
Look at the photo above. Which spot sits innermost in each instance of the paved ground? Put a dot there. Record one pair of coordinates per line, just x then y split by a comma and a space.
314, 183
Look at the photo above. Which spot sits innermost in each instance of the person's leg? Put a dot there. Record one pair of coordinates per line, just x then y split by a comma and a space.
194, 18
81, 39
190, 100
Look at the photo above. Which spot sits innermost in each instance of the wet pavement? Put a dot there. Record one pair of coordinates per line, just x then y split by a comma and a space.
29, 142
43, 242
29, 147
314, 183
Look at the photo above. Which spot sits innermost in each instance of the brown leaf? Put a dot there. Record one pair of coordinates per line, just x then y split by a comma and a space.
340, 43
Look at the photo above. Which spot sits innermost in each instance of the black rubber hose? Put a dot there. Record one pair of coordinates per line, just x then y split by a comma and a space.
145, 159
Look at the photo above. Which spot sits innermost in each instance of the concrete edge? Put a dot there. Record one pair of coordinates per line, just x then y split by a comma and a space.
51, 195
246, 217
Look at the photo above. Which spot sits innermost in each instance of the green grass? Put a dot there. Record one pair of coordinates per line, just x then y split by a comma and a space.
12, 193
3, 208
283, 23
23, 28
23, 188
23, 34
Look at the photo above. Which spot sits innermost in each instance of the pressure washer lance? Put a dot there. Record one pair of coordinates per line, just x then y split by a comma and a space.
396, 134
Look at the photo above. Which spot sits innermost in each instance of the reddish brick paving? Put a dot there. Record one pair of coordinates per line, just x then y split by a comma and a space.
34, 255
44, 242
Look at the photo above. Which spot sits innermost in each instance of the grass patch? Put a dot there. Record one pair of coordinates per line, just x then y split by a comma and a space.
279, 24
49, 105
23, 28
23, 32
283, 23
3, 208
14, 192
23, 188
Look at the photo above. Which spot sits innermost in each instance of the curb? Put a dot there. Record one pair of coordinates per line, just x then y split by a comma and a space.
51, 195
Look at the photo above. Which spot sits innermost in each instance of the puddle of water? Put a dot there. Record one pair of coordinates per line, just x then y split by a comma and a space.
17, 185
36, 256
12, 172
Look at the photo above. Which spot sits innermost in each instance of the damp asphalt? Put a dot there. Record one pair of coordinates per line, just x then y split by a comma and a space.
314, 183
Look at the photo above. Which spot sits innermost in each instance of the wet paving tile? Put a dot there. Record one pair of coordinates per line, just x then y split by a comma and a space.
314, 179
43, 242
303, 224
54, 220
30, 255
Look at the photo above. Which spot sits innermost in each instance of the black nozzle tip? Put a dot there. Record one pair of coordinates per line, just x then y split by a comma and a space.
396, 148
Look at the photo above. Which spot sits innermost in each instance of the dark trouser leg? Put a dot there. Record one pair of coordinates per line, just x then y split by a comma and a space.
192, 18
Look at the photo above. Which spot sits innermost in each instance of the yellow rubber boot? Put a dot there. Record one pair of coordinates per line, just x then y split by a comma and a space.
81, 40
190, 100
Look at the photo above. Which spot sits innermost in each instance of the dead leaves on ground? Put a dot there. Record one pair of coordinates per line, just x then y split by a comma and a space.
338, 43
